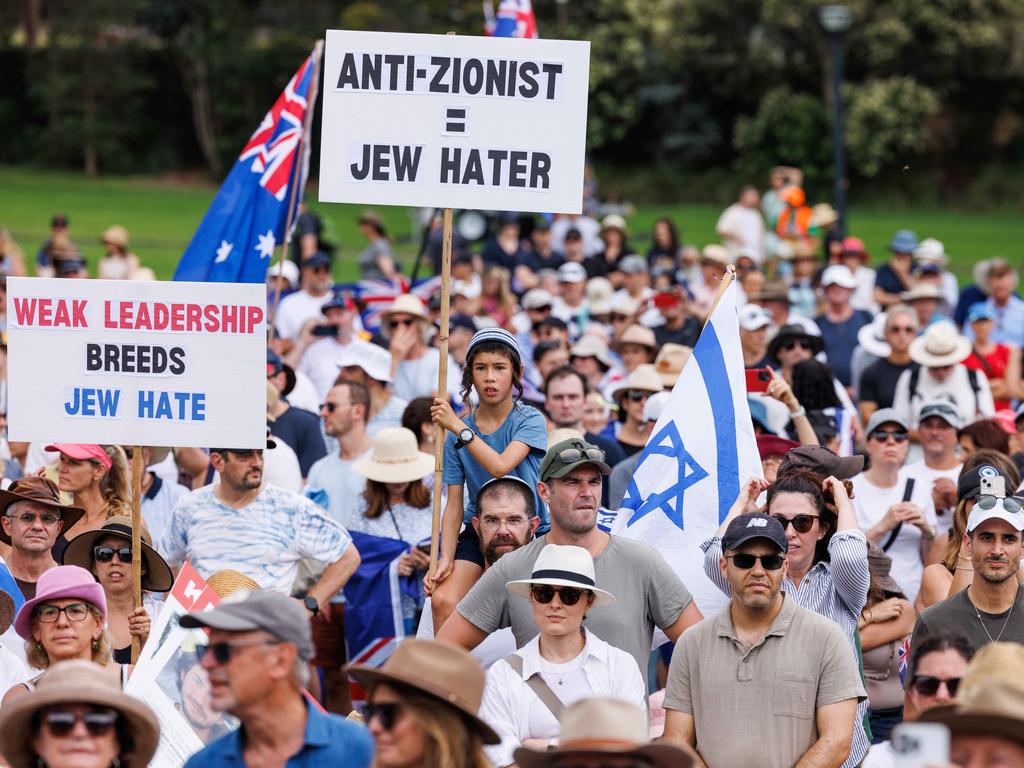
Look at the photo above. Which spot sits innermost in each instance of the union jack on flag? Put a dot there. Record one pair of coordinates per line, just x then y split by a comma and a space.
377, 295
514, 19
246, 220
903, 652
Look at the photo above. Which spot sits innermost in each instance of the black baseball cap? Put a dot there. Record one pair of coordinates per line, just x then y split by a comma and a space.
754, 526
969, 484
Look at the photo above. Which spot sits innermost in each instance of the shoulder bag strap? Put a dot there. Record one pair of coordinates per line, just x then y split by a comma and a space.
538, 686
908, 491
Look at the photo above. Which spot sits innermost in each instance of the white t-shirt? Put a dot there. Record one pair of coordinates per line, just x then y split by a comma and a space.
496, 645
295, 310
281, 467
927, 477
870, 505
320, 362
864, 294
418, 378
745, 228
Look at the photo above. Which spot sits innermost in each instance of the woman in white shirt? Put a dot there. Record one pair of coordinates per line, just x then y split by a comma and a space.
565, 663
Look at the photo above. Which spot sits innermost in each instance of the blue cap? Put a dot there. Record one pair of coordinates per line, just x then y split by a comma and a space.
339, 300
904, 241
980, 311
318, 259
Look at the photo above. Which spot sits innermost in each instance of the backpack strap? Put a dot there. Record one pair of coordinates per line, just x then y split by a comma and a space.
538, 686
908, 491
972, 377
915, 377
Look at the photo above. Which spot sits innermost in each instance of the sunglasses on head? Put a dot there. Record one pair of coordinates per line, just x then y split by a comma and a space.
1009, 503
106, 554
222, 652
636, 395
543, 593
883, 435
800, 523
572, 455
28, 518
98, 722
927, 685
745, 561
395, 323
386, 714
789, 346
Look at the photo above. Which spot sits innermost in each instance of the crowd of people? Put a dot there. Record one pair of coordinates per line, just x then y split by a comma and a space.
872, 574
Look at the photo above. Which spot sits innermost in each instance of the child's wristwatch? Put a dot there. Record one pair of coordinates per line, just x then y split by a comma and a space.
465, 437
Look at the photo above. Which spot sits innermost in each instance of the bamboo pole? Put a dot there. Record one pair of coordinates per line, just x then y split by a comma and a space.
137, 470
442, 386
294, 184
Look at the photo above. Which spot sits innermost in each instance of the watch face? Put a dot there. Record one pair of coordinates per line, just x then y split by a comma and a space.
466, 435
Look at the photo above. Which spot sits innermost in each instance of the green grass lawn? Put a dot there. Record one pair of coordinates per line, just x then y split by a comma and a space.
162, 216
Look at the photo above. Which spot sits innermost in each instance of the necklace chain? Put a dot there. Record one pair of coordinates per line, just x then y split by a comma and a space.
1005, 622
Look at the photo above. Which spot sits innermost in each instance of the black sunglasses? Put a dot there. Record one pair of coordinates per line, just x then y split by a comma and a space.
98, 722
387, 714
329, 407
544, 594
927, 685
106, 554
791, 345
883, 435
636, 395
746, 561
800, 523
222, 652
395, 323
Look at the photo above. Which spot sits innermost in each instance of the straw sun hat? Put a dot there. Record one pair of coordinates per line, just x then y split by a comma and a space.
396, 458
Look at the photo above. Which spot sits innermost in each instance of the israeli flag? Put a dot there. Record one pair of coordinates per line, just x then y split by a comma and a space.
700, 454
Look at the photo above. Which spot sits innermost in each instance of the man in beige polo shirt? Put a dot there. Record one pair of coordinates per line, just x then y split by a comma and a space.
765, 682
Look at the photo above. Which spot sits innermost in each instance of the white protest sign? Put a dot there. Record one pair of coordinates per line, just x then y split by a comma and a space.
136, 363
454, 122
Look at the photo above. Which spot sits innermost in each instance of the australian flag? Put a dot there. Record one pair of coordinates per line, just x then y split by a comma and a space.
515, 19
236, 239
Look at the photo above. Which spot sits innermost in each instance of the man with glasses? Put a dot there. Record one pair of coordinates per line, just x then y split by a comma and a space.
649, 592
317, 355
297, 309
939, 469
992, 607
893, 507
258, 529
781, 673
877, 386
33, 517
256, 659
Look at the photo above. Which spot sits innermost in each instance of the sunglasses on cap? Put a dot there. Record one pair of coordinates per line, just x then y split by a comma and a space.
745, 561
97, 721
883, 435
1009, 504
106, 554
927, 685
800, 523
222, 652
386, 714
572, 455
789, 346
545, 593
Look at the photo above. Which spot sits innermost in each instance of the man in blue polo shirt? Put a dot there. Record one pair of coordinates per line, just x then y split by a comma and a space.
257, 661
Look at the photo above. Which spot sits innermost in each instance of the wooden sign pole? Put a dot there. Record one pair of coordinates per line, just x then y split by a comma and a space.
442, 385
137, 470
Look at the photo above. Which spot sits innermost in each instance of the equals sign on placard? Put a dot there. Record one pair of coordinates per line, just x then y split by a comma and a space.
454, 121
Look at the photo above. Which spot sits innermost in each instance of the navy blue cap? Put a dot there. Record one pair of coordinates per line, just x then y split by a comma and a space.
465, 322
318, 259
339, 300
754, 526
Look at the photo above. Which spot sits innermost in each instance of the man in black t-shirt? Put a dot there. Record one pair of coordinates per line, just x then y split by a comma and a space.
878, 381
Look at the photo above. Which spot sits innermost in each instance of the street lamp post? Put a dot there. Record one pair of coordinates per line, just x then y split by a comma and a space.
836, 20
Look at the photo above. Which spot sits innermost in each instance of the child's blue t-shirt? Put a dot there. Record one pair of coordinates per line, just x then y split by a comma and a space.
525, 424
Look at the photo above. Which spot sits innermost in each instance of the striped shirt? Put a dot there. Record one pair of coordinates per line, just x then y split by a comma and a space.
265, 539
837, 590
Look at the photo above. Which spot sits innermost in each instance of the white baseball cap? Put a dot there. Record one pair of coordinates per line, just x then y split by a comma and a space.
655, 405
838, 274
752, 317
572, 272
1006, 508
373, 359
288, 269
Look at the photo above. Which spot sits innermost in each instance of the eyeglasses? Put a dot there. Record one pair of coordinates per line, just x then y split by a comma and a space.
800, 523
48, 614
395, 323
789, 346
1009, 503
98, 722
572, 455
544, 594
387, 714
927, 685
222, 652
636, 395
746, 561
28, 518
883, 435
106, 554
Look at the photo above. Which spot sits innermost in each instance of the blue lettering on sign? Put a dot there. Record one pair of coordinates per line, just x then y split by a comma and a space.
172, 406
89, 401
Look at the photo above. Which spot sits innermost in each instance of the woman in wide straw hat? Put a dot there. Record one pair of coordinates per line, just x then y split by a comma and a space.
569, 663
423, 705
107, 554
631, 394
77, 718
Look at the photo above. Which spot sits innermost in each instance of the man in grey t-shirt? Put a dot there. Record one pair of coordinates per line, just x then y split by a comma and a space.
648, 592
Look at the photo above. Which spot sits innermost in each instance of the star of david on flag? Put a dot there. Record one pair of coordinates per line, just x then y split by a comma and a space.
701, 452
246, 220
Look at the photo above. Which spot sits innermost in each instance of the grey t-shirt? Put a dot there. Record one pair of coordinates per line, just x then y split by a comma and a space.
647, 594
